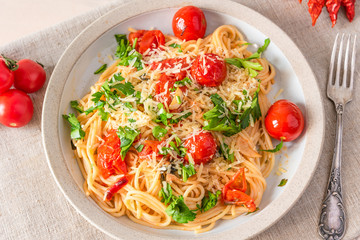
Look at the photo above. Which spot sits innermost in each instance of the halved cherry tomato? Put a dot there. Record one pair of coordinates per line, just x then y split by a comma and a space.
284, 120
147, 39
110, 192
6, 76
209, 70
170, 63
16, 108
30, 76
109, 160
189, 23
201, 146
234, 191
163, 88
150, 146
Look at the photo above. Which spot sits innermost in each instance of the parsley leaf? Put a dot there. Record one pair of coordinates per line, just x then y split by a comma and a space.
187, 171
76, 131
116, 78
181, 83
166, 194
176, 120
179, 211
140, 147
181, 150
75, 105
209, 202
175, 45
127, 53
225, 151
127, 136
162, 115
159, 132
123, 46
276, 149
101, 69
131, 120
282, 182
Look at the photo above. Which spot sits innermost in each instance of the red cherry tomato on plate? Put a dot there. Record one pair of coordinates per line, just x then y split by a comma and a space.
6, 75
30, 76
147, 39
202, 147
16, 108
109, 160
209, 70
189, 23
284, 120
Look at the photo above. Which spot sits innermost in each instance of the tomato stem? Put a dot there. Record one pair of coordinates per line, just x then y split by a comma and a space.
10, 63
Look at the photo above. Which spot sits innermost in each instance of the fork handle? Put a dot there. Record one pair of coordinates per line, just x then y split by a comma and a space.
332, 218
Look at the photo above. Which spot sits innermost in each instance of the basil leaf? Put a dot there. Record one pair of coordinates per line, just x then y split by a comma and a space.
159, 132
127, 136
101, 69
276, 149
179, 211
187, 171
75, 105
209, 202
76, 131
282, 182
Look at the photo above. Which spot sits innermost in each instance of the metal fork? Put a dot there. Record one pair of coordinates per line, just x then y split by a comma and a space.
332, 218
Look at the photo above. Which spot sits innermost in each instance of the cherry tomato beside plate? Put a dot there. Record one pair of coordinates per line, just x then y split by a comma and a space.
147, 39
189, 23
16, 108
109, 160
30, 76
6, 76
284, 120
209, 70
202, 147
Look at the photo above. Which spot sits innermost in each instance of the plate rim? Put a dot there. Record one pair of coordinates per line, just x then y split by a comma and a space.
49, 122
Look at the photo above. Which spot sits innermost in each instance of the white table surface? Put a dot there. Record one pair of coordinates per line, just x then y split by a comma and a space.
22, 17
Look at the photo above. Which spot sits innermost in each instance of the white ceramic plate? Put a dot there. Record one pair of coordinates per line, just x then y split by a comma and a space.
73, 77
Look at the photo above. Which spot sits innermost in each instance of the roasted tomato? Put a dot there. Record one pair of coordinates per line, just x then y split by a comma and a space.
109, 160
163, 88
179, 64
209, 70
201, 146
147, 39
189, 23
113, 189
284, 120
234, 191
150, 147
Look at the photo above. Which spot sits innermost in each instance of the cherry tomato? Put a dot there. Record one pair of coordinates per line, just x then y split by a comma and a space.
234, 191
202, 147
109, 160
6, 75
30, 76
16, 108
172, 63
284, 120
209, 70
189, 23
150, 146
110, 192
147, 39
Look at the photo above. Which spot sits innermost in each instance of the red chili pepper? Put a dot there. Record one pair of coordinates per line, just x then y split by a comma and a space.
333, 7
315, 8
110, 192
350, 8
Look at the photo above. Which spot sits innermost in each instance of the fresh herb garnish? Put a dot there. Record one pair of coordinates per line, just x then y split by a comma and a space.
76, 131
225, 151
159, 132
75, 105
208, 202
162, 115
166, 194
101, 69
181, 83
140, 147
176, 120
127, 53
175, 45
282, 182
131, 120
187, 171
276, 149
127, 136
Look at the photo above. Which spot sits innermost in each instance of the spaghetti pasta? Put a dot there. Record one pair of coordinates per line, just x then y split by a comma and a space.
139, 199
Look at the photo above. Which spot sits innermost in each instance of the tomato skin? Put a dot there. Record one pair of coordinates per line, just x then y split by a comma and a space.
150, 146
110, 192
6, 77
202, 147
147, 39
284, 120
16, 108
171, 63
210, 74
189, 23
109, 160
29, 77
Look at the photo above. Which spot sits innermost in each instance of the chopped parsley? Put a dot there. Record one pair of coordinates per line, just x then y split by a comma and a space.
175, 45
176, 120
276, 149
187, 171
166, 194
208, 202
127, 136
282, 182
131, 120
159, 132
101, 69
225, 152
126, 53
140, 147
162, 115
76, 131
181, 83
75, 105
